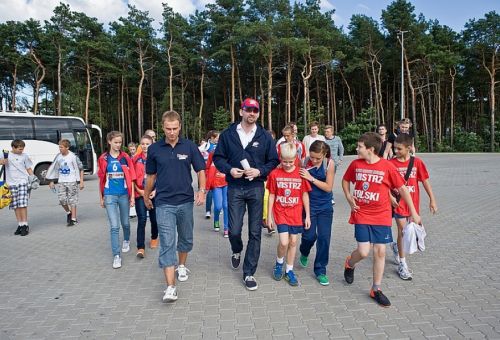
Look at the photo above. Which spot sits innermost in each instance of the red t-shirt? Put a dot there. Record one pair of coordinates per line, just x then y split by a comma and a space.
372, 184
288, 188
419, 173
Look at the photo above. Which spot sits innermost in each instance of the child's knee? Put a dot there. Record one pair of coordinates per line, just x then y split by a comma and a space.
364, 252
379, 250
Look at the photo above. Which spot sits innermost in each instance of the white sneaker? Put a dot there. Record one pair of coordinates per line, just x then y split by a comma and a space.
170, 294
404, 272
182, 273
126, 246
207, 215
117, 262
395, 252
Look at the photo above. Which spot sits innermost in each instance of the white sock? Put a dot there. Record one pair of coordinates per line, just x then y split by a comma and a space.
24, 223
402, 260
280, 260
289, 267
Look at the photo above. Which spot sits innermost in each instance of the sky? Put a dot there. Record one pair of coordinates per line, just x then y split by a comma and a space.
453, 13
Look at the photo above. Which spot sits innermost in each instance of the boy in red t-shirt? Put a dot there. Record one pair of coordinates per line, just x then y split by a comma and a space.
403, 145
288, 198
371, 212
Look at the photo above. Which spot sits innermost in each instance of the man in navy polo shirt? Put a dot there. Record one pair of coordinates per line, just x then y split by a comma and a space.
246, 141
168, 168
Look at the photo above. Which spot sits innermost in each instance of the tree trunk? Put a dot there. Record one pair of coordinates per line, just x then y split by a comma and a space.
233, 63
123, 105
306, 74
269, 90
351, 102
14, 87
140, 116
492, 72
59, 82
262, 100
379, 97
171, 74
152, 101
87, 94
413, 98
99, 107
328, 121
38, 79
431, 116
201, 96
439, 124
453, 72
129, 123
334, 104
289, 87
240, 90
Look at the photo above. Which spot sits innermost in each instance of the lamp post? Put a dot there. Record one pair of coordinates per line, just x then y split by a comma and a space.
402, 73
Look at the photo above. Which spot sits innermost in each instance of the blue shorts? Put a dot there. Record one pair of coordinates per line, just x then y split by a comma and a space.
291, 229
398, 215
372, 233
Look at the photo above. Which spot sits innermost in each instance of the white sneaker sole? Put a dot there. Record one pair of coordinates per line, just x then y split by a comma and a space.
182, 278
169, 299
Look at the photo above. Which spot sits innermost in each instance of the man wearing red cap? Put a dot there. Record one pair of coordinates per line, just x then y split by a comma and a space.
246, 153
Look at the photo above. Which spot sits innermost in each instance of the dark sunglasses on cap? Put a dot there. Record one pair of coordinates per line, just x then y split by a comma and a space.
251, 109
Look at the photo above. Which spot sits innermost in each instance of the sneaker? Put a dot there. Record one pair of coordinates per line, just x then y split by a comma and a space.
226, 233
126, 246
348, 271
140, 253
291, 278
278, 271
68, 218
323, 279
182, 273
380, 298
251, 283
272, 231
117, 262
25, 230
207, 215
395, 252
216, 226
153, 244
303, 260
18, 230
404, 272
72, 223
235, 260
170, 294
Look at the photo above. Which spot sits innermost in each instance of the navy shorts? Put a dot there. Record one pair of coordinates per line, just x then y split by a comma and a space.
398, 215
291, 229
373, 233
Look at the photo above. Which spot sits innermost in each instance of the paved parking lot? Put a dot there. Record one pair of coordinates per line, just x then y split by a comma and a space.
58, 281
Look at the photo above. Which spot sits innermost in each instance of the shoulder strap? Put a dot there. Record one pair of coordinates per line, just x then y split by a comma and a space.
410, 168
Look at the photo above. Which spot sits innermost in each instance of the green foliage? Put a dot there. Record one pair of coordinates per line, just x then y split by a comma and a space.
464, 141
221, 119
364, 122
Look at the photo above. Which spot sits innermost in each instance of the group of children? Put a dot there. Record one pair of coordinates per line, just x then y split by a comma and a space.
300, 199
300, 202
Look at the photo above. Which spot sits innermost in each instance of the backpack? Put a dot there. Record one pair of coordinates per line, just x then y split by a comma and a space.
5, 194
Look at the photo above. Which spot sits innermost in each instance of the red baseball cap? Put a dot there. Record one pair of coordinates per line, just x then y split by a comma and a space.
250, 103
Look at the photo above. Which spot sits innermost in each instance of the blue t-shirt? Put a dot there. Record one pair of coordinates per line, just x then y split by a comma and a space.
172, 166
115, 178
319, 199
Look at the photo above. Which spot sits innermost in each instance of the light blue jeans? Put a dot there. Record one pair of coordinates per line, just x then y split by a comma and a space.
117, 208
175, 229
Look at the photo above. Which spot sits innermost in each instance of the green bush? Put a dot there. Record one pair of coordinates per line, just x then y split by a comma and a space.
364, 122
468, 142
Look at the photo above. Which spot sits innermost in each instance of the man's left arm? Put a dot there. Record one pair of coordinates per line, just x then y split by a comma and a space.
271, 161
198, 164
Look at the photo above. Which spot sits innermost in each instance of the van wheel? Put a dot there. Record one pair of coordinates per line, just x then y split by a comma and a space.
41, 172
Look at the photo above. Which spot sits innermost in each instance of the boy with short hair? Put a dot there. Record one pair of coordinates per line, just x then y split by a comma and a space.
288, 197
18, 176
132, 149
68, 168
371, 211
418, 173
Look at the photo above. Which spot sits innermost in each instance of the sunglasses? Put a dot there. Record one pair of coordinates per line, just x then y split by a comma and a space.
251, 109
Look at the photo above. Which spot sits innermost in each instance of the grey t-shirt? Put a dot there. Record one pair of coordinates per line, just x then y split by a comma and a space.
16, 168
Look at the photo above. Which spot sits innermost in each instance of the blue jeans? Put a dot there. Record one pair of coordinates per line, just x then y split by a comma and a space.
142, 216
175, 228
220, 203
242, 198
320, 232
117, 208
208, 201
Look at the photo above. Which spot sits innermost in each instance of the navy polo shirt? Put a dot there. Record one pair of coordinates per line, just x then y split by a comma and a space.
172, 166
